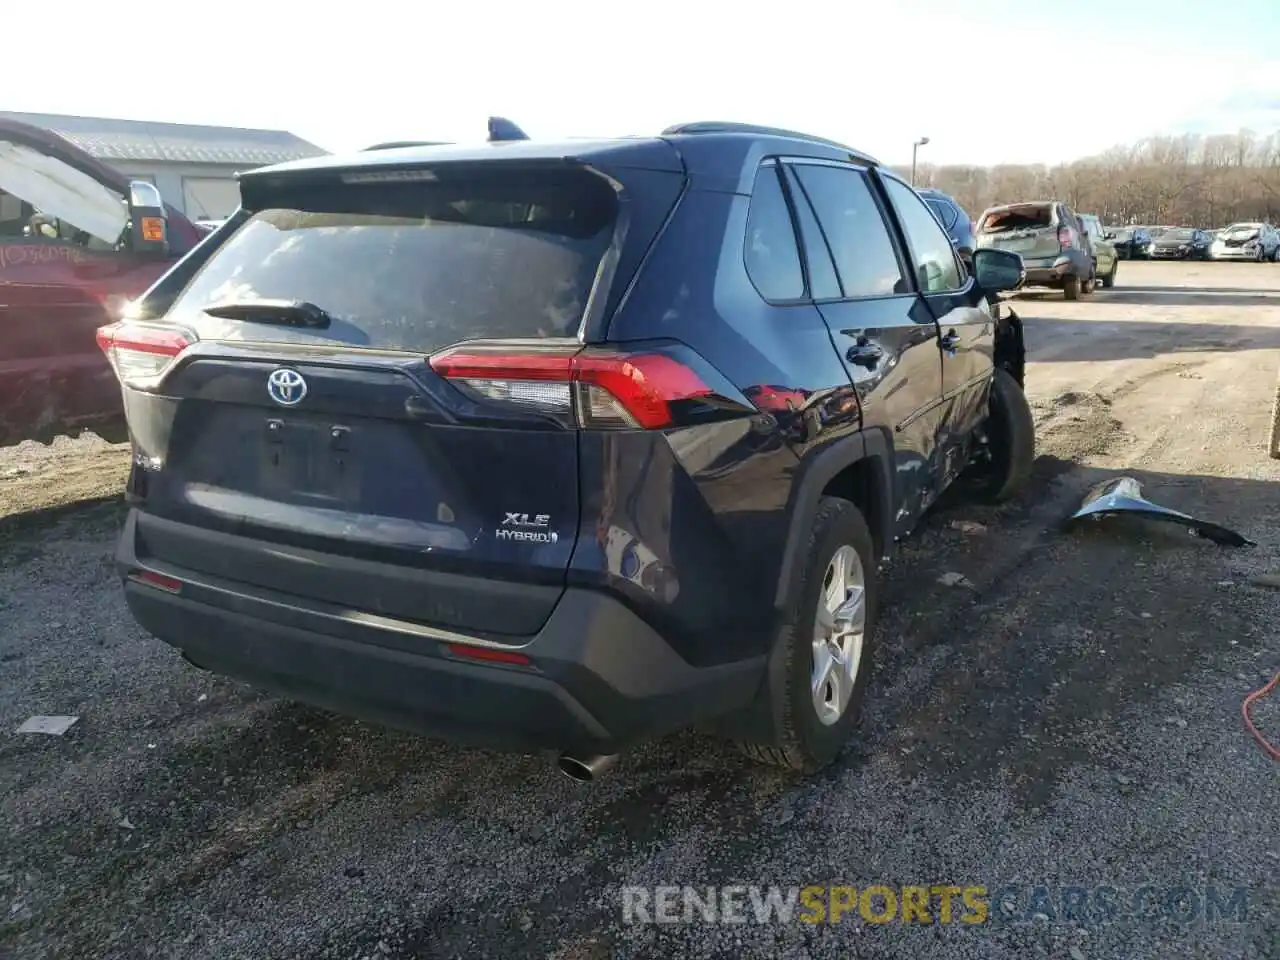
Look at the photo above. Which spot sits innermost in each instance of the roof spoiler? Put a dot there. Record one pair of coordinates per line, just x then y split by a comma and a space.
501, 130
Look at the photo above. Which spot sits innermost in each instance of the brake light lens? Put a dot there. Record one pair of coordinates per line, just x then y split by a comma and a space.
1064, 237
141, 353
157, 580
594, 388
489, 654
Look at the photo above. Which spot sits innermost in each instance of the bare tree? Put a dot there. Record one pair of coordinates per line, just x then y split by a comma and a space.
1189, 180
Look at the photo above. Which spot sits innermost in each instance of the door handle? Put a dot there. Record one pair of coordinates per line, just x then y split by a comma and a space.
865, 353
949, 341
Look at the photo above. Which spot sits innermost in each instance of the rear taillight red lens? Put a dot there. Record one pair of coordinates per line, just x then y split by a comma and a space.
488, 654
1064, 237
158, 580
140, 353
596, 388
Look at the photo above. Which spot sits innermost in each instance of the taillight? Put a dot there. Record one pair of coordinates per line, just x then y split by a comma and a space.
158, 580
488, 654
140, 353
1064, 237
590, 387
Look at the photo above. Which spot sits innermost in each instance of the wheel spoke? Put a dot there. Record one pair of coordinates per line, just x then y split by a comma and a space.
824, 667
825, 622
851, 612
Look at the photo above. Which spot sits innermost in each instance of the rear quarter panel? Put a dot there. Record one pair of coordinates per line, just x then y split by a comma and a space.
712, 504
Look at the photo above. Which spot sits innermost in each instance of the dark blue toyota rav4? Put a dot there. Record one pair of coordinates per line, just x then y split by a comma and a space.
561, 445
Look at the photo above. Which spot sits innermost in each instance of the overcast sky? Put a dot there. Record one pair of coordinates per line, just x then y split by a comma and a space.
986, 81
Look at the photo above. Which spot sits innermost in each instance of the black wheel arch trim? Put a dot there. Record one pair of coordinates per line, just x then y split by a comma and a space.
816, 470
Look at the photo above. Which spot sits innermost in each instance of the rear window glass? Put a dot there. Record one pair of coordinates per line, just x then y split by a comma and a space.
416, 266
1017, 218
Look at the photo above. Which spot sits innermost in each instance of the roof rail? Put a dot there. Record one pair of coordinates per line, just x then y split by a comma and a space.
396, 144
726, 126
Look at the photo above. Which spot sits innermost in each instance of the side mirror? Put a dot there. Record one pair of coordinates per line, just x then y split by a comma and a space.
998, 270
148, 227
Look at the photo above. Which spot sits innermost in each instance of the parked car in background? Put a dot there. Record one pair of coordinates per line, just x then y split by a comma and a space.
78, 240
1105, 261
1050, 239
954, 218
1132, 243
494, 517
1181, 243
1247, 241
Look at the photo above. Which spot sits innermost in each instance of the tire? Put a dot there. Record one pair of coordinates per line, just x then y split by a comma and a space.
1109, 280
804, 742
1071, 287
1009, 439
1090, 285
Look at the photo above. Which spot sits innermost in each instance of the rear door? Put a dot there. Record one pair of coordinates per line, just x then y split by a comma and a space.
880, 325
324, 431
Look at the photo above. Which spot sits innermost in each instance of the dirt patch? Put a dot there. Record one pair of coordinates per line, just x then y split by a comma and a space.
1075, 425
38, 478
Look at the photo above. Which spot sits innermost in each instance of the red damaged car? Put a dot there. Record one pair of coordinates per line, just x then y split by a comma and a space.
78, 240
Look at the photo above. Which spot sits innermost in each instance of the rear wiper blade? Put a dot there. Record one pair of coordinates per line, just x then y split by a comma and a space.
293, 313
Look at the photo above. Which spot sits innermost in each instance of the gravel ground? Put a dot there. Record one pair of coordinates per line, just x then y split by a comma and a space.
1070, 718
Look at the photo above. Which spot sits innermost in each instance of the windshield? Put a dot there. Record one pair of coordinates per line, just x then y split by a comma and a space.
416, 266
1180, 234
1023, 217
1241, 227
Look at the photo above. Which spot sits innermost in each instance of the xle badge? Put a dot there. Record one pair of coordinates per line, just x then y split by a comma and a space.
530, 529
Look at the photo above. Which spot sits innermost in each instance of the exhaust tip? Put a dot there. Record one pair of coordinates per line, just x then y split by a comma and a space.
585, 769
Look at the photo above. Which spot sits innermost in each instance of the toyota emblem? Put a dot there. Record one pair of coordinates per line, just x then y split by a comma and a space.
286, 387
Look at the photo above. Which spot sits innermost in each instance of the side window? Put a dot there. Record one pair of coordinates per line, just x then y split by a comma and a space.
823, 282
936, 265
13, 215
864, 256
944, 212
771, 256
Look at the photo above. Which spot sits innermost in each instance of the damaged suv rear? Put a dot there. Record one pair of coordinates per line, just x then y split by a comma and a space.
1050, 239
561, 446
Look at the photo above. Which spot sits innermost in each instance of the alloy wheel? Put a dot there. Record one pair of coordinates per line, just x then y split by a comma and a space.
838, 633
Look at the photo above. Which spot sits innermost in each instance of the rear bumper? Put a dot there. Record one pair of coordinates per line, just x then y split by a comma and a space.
1049, 273
599, 677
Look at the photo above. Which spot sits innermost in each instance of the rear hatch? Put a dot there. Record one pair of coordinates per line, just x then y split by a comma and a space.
1028, 229
303, 439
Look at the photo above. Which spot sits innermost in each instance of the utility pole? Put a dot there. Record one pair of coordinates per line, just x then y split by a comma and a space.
914, 147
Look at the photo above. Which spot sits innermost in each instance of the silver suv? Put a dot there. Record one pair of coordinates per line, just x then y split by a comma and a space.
1050, 238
